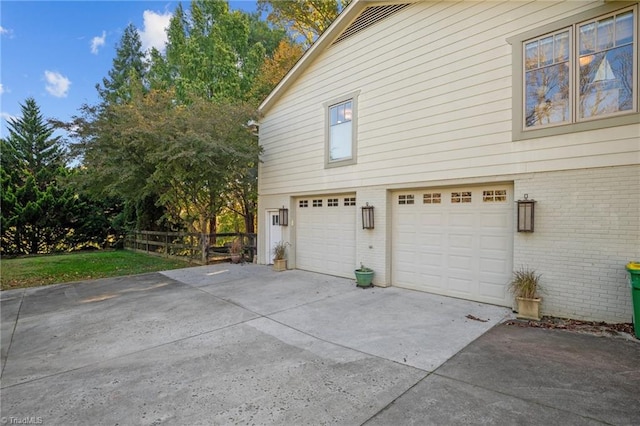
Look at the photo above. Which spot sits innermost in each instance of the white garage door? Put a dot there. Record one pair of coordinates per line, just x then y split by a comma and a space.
454, 241
325, 234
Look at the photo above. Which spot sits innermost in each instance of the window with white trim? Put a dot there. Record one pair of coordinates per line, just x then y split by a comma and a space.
341, 130
593, 77
580, 73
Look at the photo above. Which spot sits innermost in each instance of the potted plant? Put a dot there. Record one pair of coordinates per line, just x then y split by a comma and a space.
235, 250
364, 276
279, 256
525, 286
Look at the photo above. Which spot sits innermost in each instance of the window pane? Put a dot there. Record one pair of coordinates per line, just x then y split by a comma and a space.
587, 39
333, 111
605, 34
347, 111
624, 28
340, 142
606, 82
546, 51
562, 47
340, 113
547, 95
531, 55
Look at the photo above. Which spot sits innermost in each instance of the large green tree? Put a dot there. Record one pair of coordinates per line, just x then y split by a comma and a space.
173, 138
35, 207
213, 52
186, 153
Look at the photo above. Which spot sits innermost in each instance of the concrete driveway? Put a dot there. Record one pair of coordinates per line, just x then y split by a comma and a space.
241, 344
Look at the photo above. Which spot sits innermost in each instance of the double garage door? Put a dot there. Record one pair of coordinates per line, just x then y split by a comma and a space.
451, 241
326, 234
454, 241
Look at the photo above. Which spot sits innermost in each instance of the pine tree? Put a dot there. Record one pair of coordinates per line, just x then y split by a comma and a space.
31, 149
128, 70
34, 207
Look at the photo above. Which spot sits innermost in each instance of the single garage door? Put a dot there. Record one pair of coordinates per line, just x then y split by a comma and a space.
454, 241
326, 233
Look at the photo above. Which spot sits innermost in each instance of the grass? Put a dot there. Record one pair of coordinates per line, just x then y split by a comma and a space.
37, 271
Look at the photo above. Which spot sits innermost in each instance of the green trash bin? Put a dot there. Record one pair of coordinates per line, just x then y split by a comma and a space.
634, 278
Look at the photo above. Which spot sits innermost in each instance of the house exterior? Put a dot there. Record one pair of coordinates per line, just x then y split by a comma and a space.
441, 115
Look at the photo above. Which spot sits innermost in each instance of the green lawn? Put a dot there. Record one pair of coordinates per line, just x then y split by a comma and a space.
52, 269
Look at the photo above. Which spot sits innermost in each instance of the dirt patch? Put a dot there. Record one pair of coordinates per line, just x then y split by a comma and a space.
624, 330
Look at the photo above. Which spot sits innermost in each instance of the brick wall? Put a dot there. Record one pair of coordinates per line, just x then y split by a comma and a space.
587, 227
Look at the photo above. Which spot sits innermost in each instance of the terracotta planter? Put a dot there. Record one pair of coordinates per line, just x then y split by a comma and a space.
236, 258
529, 308
279, 265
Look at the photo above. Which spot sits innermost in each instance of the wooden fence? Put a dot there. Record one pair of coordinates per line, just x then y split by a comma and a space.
197, 248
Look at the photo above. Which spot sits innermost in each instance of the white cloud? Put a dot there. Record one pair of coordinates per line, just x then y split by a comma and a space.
154, 33
6, 116
98, 42
6, 31
1, 89
57, 84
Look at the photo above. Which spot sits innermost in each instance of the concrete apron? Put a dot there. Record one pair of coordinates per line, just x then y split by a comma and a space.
224, 344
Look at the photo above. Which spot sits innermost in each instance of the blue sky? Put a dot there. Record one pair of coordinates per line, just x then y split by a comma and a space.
57, 51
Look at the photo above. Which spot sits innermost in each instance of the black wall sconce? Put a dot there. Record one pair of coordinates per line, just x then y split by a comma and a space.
367, 217
283, 216
526, 209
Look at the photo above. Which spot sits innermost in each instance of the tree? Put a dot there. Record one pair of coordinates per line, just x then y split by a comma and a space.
31, 149
128, 70
306, 19
186, 153
212, 52
273, 69
34, 206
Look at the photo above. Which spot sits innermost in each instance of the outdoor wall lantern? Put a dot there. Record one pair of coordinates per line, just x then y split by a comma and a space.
283, 216
367, 217
525, 214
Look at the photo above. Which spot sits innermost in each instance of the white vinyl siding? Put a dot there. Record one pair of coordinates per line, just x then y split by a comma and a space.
434, 104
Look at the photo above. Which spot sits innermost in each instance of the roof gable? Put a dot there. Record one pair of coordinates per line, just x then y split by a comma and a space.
359, 15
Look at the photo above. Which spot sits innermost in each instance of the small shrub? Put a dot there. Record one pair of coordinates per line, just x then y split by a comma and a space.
280, 250
525, 283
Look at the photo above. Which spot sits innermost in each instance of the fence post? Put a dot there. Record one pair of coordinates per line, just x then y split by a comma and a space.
166, 244
204, 246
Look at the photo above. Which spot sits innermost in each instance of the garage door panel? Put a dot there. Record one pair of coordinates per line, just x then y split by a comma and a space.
325, 234
495, 266
432, 219
463, 241
461, 286
431, 260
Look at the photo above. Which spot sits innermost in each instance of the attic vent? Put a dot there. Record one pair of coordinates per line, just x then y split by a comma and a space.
368, 17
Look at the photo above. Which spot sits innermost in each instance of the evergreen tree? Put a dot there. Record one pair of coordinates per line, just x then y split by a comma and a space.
34, 207
129, 68
31, 149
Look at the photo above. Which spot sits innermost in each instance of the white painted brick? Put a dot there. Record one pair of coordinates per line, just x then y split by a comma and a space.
587, 229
